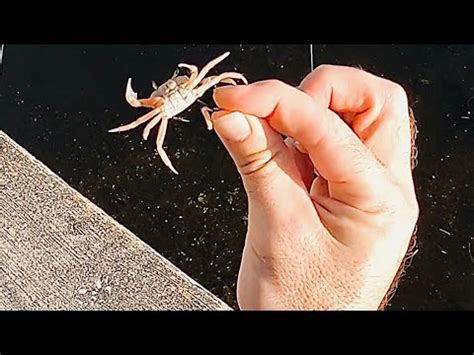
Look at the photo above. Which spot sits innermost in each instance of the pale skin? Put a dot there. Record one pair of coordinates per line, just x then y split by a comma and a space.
335, 239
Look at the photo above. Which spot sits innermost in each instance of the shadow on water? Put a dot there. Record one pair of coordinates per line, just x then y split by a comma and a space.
59, 101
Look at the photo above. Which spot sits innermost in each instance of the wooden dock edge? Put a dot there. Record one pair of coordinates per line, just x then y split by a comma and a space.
59, 251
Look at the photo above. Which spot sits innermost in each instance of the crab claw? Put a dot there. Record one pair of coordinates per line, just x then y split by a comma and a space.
244, 79
131, 96
191, 68
229, 78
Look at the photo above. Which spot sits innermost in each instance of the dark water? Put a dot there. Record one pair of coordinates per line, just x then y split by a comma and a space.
58, 101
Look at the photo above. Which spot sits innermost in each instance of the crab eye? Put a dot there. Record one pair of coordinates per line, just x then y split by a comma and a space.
171, 84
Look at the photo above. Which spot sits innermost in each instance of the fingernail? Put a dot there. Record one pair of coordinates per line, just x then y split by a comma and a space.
233, 127
219, 91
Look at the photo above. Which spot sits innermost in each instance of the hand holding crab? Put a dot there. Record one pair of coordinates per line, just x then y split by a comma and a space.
173, 97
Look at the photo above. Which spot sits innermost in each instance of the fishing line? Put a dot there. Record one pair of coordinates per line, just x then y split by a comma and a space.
1, 57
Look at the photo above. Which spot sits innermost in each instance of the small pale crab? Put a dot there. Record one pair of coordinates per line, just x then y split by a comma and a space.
173, 97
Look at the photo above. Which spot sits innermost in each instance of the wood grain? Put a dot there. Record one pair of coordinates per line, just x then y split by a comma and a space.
59, 251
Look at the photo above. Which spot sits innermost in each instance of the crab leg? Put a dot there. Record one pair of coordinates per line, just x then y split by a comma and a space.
225, 81
201, 102
137, 122
205, 70
210, 82
150, 125
192, 68
205, 112
213, 80
181, 119
159, 145
229, 81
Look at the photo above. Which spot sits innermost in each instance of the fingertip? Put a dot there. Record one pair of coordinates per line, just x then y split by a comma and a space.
223, 96
234, 97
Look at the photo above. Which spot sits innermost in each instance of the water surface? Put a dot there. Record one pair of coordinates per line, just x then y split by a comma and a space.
58, 101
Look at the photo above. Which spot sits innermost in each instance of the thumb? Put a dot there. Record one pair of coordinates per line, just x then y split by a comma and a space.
269, 168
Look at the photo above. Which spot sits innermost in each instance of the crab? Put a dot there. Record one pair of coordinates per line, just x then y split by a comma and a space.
170, 99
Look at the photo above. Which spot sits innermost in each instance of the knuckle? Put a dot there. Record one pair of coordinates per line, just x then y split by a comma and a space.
273, 87
272, 83
257, 163
396, 102
322, 68
398, 94
325, 69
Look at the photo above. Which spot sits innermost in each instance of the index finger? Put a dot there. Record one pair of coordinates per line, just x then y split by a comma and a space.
336, 152
374, 107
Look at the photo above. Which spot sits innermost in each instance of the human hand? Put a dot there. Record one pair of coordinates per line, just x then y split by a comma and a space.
335, 239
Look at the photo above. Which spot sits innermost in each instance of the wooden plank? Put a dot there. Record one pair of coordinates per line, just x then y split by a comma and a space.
59, 251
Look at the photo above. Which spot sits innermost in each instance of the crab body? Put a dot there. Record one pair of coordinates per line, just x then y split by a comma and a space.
173, 97
177, 101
